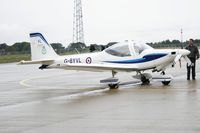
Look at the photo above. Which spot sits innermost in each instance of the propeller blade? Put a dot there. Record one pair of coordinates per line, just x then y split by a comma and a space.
187, 60
178, 57
180, 62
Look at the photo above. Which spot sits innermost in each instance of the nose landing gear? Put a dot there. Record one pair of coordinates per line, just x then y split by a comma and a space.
166, 80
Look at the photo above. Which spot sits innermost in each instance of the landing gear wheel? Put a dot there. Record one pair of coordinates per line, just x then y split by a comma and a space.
165, 82
144, 80
163, 73
113, 86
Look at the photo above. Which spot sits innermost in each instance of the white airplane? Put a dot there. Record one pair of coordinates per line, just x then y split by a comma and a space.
126, 56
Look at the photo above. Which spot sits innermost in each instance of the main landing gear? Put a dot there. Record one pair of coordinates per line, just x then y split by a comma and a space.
113, 86
113, 83
146, 77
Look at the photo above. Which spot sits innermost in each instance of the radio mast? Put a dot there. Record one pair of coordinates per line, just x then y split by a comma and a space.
78, 34
181, 38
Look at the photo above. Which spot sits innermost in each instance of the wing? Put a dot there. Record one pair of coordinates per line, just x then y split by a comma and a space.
84, 67
100, 67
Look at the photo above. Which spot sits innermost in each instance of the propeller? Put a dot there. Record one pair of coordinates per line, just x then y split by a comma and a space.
178, 57
180, 62
182, 53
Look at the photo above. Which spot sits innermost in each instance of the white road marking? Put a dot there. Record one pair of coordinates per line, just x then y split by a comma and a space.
23, 83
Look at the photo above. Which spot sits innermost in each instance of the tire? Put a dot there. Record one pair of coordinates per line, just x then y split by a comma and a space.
113, 86
165, 82
144, 80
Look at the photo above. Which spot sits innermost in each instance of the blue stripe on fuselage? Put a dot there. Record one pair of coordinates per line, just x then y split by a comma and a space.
145, 58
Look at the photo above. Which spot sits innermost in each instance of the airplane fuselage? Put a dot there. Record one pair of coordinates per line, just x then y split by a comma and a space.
149, 59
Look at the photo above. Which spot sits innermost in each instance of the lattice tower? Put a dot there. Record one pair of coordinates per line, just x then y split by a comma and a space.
78, 34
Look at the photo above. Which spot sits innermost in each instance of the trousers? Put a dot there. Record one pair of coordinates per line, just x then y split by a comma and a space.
192, 66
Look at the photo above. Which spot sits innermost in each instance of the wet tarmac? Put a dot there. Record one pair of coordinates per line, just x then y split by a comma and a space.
59, 101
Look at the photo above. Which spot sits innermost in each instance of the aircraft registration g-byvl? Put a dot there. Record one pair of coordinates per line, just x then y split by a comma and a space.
126, 56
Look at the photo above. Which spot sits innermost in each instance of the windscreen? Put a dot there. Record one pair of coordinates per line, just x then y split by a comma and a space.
119, 50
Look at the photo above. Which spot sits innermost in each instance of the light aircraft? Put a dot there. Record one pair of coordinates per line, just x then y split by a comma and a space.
126, 56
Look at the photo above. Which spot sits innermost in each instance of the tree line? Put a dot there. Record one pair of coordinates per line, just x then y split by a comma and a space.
24, 47
173, 44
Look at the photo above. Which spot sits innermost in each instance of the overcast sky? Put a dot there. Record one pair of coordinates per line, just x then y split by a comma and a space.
104, 20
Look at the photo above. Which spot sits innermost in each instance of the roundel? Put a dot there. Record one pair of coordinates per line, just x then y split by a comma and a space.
88, 60
44, 51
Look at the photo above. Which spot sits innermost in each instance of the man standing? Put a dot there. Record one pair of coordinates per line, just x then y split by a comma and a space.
193, 56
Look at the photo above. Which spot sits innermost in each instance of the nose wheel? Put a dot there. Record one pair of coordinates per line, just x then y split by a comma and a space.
165, 82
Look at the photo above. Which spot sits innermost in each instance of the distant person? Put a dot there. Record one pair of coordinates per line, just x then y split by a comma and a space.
193, 56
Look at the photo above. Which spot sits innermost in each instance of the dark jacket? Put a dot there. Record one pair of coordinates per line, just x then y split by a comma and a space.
194, 52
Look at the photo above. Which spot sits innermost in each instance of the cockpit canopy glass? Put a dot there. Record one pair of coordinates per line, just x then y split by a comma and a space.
140, 47
123, 49
119, 50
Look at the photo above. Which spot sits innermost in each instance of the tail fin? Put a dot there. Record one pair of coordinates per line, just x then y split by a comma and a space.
40, 49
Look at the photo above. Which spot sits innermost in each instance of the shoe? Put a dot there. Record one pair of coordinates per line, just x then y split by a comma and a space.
188, 78
193, 78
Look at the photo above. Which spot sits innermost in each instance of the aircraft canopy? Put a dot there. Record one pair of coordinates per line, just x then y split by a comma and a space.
126, 48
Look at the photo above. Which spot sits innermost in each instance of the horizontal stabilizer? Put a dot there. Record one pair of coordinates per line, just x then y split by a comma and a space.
46, 62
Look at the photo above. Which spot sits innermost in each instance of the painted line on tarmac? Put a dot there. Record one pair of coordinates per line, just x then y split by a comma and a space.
23, 83
75, 87
26, 84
